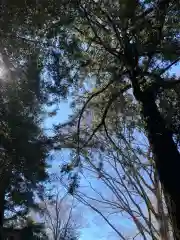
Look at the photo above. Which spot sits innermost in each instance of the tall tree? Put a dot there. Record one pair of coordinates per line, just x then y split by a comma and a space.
23, 142
132, 45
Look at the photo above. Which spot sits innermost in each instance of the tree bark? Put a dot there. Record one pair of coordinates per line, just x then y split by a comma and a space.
2, 206
162, 215
167, 158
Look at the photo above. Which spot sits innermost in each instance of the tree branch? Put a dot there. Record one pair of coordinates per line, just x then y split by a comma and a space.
104, 114
106, 47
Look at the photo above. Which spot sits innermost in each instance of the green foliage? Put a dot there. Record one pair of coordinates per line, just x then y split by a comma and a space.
23, 144
39, 28
116, 40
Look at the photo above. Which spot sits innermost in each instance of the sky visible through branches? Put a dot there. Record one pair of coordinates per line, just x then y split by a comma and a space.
94, 223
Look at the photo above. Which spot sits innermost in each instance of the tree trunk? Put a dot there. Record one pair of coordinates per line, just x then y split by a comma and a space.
2, 203
167, 158
162, 215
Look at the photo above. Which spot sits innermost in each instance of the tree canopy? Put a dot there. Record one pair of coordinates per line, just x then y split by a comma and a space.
129, 48
114, 60
23, 143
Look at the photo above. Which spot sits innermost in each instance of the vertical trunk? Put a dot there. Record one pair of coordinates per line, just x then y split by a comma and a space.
162, 216
4, 182
2, 203
167, 158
